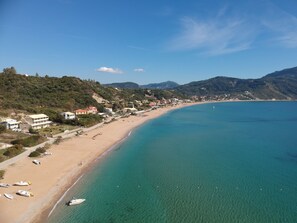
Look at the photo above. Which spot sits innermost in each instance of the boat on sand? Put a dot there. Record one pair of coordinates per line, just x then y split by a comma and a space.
4, 185
8, 196
25, 193
37, 162
22, 183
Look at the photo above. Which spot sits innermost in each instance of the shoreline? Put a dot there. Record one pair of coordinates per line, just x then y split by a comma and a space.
50, 187
51, 184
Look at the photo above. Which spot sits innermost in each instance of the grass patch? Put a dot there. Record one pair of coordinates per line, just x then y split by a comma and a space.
11, 152
30, 141
56, 129
89, 120
7, 136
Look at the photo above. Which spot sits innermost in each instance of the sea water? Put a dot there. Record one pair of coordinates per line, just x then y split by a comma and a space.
220, 162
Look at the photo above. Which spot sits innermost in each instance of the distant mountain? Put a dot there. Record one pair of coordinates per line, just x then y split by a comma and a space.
132, 85
286, 73
162, 85
124, 85
278, 85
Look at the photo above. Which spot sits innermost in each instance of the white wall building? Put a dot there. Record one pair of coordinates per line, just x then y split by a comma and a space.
12, 124
68, 115
38, 121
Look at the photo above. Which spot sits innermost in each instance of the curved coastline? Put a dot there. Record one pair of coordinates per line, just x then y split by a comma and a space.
53, 178
38, 208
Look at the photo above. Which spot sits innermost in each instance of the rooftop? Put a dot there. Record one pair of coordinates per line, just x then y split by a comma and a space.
38, 116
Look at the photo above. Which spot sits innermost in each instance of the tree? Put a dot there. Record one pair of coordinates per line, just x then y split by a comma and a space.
9, 71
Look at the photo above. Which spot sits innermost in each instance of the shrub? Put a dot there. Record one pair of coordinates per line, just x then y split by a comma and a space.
34, 154
2, 128
13, 151
32, 131
58, 140
2, 158
47, 146
2, 173
29, 141
41, 150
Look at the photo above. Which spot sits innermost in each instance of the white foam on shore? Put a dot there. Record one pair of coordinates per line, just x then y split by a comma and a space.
63, 196
114, 146
102, 155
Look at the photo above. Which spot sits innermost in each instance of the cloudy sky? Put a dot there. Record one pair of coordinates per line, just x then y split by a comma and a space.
147, 41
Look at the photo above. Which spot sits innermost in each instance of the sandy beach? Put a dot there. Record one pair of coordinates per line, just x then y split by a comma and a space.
60, 170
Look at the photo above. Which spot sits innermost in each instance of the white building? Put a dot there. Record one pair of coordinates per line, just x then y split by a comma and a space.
12, 124
38, 121
68, 115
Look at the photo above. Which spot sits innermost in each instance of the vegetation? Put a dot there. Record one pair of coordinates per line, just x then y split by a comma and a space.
278, 85
89, 120
8, 136
58, 140
29, 141
51, 95
2, 128
41, 150
34, 154
2, 173
56, 129
33, 131
11, 152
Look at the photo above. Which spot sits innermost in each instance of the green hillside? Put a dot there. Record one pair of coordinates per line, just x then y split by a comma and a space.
45, 94
278, 85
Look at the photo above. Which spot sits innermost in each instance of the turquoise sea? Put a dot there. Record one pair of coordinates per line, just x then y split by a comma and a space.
222, 162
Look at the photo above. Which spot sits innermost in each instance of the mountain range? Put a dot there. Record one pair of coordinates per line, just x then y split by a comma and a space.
132, 85
281, 85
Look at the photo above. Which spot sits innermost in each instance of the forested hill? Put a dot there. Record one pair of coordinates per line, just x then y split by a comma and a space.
278, 85
36, 94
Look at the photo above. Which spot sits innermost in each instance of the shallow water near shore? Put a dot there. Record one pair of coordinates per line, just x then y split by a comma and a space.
221, 162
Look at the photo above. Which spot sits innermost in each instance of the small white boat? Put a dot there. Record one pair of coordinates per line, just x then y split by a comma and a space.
25, 193
37, 162
4, 185
8, 196
75, 201
22, 183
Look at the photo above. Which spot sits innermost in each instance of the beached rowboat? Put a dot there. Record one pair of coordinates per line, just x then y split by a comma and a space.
25, 193
8, 196
4, 185
22, 183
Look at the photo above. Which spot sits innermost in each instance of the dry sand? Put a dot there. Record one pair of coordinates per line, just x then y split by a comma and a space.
58, 171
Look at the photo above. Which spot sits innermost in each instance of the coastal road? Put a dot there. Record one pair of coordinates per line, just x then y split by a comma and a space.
6, 163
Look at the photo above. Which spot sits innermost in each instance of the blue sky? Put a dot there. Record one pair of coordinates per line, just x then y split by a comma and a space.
148, 41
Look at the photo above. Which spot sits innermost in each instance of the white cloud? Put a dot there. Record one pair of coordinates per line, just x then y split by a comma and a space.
139, 70
282, 24
109, 70
215, 36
